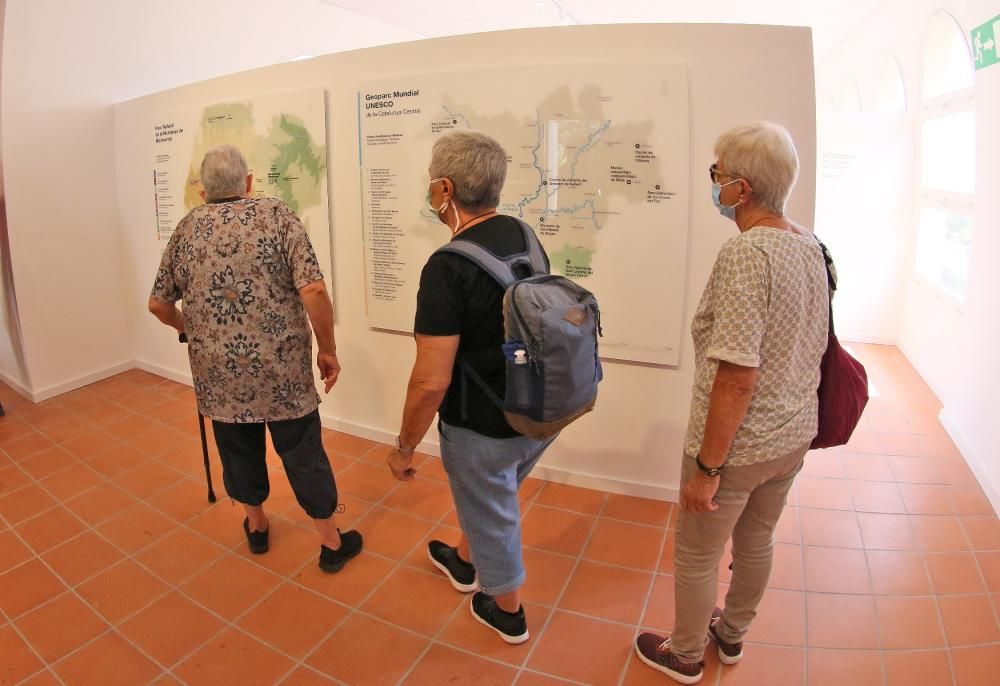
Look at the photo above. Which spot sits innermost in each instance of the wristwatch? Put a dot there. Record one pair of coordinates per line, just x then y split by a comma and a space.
403, 451
711, 471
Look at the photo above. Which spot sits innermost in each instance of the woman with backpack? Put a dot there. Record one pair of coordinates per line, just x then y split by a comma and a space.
459, 372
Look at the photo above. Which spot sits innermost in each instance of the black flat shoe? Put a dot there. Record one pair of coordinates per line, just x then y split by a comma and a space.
257, 540
332, 561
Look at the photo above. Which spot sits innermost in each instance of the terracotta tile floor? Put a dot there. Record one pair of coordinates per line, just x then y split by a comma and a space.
115, 570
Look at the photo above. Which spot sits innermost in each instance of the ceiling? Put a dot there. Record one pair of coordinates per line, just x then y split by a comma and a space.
832, 20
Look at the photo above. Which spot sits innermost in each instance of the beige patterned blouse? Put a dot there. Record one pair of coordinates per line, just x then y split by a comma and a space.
237, 266
765, 306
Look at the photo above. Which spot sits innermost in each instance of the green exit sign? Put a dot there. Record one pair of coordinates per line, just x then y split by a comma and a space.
985, 49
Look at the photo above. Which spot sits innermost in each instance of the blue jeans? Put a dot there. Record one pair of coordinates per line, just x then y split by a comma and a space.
484, 474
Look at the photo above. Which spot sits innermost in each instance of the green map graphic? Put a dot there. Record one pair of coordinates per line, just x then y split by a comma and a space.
285, 160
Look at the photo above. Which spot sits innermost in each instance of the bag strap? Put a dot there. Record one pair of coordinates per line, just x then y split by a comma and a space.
501, 269
467, 372
831, 280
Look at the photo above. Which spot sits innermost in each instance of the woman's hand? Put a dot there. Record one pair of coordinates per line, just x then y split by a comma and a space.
400, 462
699, 492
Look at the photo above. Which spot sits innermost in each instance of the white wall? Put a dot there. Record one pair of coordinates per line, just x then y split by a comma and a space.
970, 408
65, 64
863, 208
632, 442
953, 347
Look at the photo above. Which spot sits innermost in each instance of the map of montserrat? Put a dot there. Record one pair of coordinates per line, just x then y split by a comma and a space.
282, 154
282, 136
597, 165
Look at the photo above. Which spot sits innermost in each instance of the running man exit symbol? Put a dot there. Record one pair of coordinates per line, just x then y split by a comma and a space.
985, 47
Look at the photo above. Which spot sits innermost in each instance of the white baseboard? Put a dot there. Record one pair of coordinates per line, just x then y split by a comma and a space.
848, 337
602, 483
16, 385
165, 372
971, 458
81, 381
373, 434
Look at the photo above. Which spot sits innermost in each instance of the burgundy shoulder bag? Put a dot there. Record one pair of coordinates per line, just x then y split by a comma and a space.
843, 384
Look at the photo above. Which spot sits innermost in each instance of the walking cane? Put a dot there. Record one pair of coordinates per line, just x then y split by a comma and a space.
204, 441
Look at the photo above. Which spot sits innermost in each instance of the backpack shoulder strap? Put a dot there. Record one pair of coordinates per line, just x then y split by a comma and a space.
536, 256
502, 268
496, 267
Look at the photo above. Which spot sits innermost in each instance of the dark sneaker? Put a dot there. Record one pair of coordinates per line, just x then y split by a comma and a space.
511, 627
654, 651
257, 540
332, 561
460, 573
729, 653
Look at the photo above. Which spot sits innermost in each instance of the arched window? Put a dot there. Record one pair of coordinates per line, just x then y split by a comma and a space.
947, 157
850, 96
947, 58
890, 94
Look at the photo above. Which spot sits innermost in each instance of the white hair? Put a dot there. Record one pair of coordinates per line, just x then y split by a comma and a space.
224, 173
476, 165
762, 153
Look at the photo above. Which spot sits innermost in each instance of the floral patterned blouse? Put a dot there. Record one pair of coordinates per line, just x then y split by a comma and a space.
237, 266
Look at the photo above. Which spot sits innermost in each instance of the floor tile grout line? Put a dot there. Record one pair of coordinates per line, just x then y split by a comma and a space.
569, 578
434, 641
805, 597
649, 590
986, 586
555, 677
398, 563
871, 581
111, 626
930, 581
24, 639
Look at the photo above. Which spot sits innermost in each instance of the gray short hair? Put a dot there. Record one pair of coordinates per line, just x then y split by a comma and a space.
224, 173
762, 153
475, 163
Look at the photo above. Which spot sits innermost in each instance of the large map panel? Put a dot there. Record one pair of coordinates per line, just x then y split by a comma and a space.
283, 137
598, 166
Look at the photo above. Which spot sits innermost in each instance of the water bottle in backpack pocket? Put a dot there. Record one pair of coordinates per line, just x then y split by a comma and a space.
522, 381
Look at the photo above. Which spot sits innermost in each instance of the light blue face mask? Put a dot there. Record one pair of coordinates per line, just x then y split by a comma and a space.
727, 211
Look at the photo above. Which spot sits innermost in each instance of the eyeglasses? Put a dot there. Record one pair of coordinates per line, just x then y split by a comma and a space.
714, 173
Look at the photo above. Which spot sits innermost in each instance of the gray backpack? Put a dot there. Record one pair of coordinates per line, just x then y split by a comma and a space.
551, 326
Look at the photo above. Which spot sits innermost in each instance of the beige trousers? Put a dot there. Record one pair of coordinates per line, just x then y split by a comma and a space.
751, 499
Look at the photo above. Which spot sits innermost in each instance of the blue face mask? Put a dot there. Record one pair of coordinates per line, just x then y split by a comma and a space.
727, 211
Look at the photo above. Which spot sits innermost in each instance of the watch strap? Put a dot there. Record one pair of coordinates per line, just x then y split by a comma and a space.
711, 471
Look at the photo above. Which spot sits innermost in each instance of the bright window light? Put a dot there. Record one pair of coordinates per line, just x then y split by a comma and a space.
947, 60
948, 150
944, 246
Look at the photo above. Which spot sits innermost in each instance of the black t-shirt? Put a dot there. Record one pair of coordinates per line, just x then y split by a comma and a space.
456, 297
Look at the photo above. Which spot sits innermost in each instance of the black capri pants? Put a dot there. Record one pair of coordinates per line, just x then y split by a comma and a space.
299, 444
